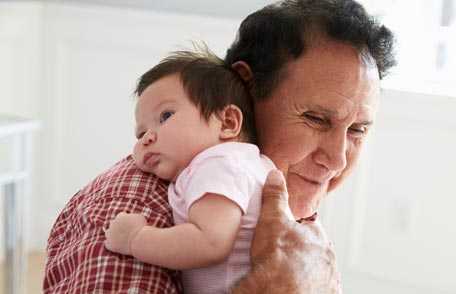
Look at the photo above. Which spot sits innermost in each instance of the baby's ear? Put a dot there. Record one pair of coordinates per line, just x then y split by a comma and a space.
231, 118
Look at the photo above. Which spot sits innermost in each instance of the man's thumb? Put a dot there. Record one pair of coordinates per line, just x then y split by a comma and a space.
275, 178
275, 195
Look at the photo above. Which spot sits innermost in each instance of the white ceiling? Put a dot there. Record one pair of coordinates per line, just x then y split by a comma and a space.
231, 8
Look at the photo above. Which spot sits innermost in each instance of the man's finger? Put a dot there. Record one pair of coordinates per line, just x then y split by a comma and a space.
273, 218
275, 195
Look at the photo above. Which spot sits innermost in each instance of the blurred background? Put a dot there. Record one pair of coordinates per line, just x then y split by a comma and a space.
72, 66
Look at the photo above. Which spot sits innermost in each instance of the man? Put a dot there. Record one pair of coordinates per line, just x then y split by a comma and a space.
313, 67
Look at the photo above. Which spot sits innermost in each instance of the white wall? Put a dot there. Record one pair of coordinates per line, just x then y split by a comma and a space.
393, 223
74, 67
20, 75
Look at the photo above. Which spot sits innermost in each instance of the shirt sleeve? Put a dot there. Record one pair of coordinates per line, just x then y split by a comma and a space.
78, 262
218, 175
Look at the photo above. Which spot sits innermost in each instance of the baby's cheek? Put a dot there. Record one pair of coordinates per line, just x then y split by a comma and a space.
135, 154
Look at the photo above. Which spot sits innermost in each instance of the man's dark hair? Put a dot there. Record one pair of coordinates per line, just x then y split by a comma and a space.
208, 82
271, 37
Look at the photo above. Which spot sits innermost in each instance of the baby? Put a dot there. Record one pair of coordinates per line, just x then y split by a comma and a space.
195, 128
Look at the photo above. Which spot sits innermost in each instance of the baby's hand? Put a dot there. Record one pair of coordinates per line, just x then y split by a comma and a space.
122, 230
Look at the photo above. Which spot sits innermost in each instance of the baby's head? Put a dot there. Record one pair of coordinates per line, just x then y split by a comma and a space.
187, 103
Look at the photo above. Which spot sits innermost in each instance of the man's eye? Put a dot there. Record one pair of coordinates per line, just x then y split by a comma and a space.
165, 115
314, 118
359, 132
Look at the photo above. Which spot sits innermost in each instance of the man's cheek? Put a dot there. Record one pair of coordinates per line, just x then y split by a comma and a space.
339, 178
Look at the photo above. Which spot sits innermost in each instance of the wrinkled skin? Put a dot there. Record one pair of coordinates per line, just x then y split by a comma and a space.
313, 127
314, 124
288, 257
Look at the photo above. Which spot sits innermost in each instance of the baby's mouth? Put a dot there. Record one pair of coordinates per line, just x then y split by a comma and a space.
151, 159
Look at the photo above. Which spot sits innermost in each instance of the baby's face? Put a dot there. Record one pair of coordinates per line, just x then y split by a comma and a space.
170, 129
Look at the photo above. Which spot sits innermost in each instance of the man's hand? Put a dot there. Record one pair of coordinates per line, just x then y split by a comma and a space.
287, 256
122, 230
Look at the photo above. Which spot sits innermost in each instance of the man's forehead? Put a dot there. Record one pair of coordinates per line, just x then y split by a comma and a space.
331, 66
340, 83
337, 98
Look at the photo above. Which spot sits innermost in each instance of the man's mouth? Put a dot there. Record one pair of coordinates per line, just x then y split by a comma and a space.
312, 182
316, 182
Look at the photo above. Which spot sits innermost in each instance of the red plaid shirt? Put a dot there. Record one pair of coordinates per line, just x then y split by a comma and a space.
77, 261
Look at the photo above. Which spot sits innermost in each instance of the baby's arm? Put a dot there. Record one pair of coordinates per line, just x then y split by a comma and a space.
206, 239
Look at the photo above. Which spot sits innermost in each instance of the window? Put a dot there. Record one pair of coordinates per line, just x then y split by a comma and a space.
426, 43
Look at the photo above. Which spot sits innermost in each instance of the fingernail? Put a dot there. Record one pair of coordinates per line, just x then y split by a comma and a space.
275, 177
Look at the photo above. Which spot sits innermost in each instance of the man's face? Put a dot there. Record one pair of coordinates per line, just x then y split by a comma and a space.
314, 123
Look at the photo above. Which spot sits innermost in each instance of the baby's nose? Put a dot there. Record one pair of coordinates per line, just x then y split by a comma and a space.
150, 137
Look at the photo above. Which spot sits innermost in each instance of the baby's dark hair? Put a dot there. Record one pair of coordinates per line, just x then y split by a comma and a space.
209, 83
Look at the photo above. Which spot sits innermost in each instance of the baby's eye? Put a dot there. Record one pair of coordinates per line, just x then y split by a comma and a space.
165, 115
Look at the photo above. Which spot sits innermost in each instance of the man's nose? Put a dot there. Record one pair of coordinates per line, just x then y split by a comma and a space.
333, 151
149, 137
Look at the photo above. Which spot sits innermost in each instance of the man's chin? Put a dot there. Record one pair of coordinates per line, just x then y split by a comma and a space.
304, 198
304, 206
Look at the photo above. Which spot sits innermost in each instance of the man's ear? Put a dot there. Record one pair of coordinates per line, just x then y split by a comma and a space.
231, 118
244, 71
